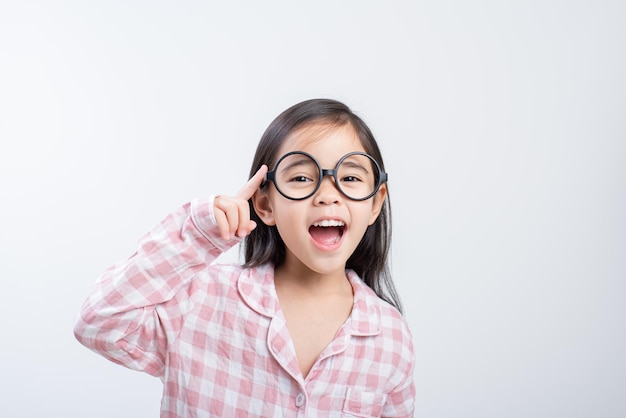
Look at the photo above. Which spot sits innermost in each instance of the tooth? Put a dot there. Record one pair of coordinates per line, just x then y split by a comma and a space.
327, 223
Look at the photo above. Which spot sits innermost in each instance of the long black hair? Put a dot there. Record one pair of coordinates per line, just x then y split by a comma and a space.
264, 244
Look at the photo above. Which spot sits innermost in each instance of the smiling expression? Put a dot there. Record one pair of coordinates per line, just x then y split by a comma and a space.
321, 232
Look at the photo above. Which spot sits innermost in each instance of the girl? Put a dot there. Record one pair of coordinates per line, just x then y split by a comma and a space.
309, 326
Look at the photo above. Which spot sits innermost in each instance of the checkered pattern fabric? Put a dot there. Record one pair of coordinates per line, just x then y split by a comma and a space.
217, 338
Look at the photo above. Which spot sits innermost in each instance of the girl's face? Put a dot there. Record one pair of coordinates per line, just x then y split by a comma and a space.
321, 232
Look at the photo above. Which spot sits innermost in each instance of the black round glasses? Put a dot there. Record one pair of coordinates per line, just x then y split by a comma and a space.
298, 175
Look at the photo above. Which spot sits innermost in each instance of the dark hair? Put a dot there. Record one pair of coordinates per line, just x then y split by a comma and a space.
264, 243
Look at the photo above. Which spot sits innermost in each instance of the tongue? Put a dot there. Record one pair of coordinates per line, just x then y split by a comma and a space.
325, 235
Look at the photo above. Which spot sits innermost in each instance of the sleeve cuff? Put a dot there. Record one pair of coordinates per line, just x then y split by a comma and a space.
203, 216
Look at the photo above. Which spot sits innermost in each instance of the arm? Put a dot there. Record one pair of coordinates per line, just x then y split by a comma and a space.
138, 305
401, 399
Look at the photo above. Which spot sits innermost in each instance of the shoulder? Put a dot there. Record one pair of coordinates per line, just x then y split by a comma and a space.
380, 316
218, 280
395, 328
234, 275
387, 337
253, 285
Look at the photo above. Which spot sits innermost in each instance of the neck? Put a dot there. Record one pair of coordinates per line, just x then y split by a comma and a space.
299, 276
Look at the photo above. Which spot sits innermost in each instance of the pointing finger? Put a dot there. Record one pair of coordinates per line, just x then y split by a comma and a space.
253, 184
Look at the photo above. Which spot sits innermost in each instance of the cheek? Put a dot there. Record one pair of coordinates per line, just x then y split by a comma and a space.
288, 216
377, 206
361, 219
368, 214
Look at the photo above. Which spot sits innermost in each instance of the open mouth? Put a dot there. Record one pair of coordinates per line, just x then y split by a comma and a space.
327, 232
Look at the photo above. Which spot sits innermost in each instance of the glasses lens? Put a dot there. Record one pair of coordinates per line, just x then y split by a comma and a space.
297, 176
358, 176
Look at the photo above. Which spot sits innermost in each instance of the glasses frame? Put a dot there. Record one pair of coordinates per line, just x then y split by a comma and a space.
382, 177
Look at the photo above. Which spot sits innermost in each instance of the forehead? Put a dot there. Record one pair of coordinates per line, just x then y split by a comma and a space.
325, 142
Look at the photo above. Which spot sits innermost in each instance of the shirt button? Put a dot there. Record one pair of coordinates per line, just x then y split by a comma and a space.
300, 400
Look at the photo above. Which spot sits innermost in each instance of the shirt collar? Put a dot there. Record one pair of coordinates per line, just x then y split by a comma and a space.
256, 287
365, 317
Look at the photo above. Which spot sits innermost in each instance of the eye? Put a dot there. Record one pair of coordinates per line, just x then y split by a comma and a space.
301, 179
350, 179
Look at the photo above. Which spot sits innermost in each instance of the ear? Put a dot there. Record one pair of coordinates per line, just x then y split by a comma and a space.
377, 203
263, 207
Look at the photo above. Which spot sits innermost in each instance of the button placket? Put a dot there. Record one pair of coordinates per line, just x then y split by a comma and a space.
300, 400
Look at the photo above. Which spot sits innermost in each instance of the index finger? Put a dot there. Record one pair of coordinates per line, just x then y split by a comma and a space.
248, 190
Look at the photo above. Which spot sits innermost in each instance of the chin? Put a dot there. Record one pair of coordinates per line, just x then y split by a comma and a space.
327, 267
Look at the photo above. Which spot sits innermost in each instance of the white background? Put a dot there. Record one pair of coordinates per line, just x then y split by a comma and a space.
503, 126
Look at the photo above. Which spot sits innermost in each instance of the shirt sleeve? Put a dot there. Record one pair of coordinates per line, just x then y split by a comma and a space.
401, 400
138, 305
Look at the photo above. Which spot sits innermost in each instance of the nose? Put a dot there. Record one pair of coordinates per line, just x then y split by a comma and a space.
327, 193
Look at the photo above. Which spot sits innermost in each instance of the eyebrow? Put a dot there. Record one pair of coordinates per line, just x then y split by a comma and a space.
354, 164
302, 161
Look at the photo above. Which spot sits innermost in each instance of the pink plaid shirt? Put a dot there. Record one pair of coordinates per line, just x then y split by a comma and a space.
217, 338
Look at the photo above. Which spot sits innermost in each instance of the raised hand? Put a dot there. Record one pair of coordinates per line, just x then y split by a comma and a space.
232, 213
